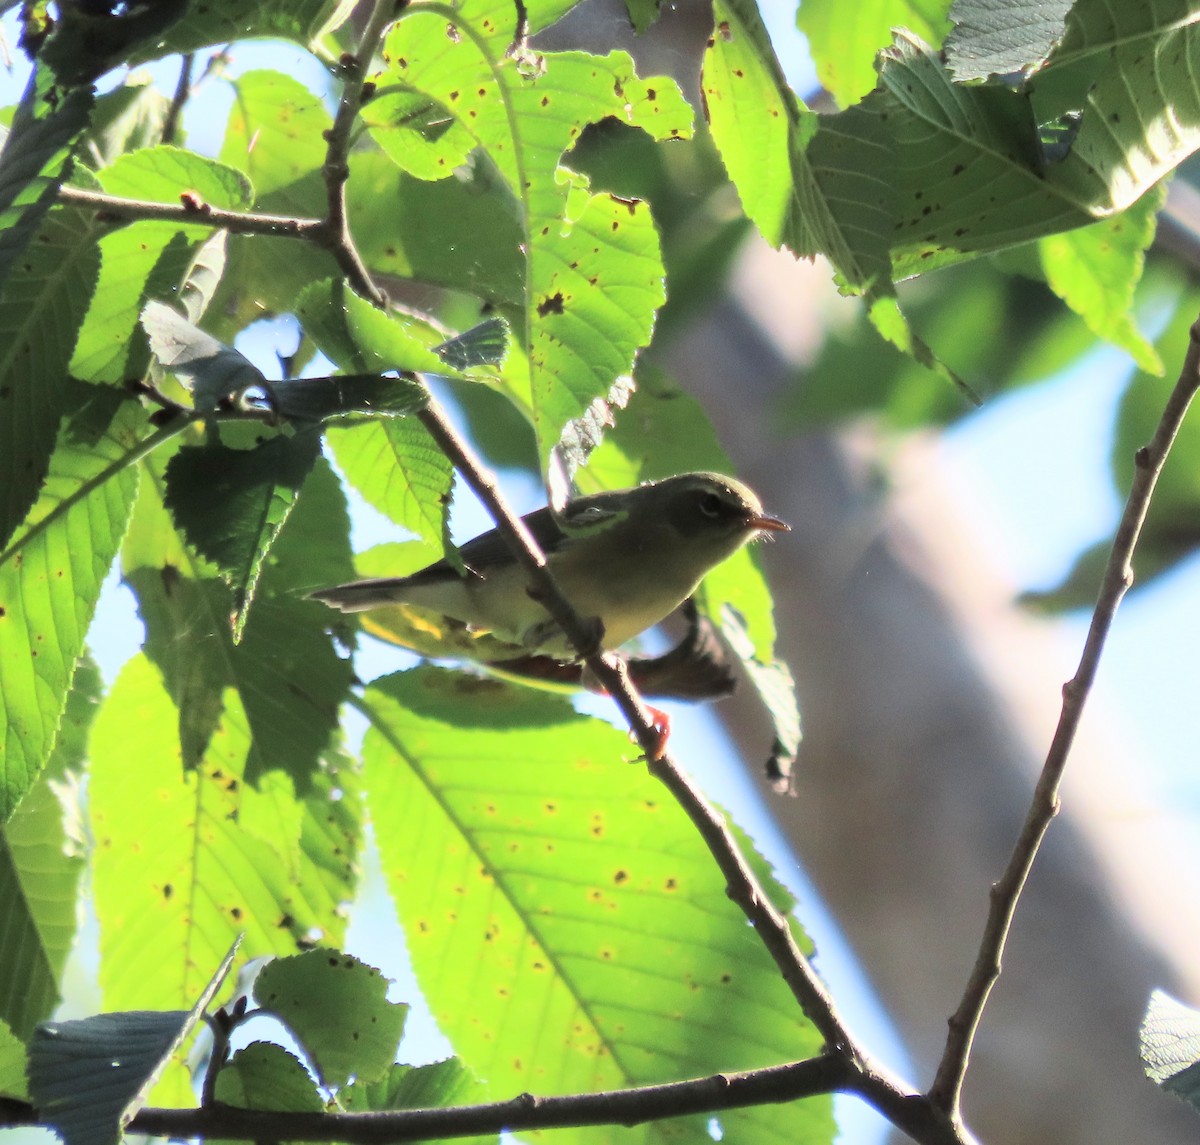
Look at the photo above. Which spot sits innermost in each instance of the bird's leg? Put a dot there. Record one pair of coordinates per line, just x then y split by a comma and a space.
660, 720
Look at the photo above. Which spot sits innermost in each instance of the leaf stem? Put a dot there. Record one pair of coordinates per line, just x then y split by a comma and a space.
946, 1092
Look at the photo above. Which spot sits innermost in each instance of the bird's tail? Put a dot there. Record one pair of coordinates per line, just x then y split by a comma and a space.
359, 595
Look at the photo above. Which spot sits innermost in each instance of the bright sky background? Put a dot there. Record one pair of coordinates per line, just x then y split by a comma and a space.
1036, 467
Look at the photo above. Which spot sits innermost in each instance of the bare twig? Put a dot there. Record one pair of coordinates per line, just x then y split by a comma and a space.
826, 1074
192, 212
183, 89
336, 171
1118, 576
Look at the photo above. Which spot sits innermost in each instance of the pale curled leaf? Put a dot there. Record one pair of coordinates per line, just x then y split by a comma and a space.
212, 370
1003, 37
1170, 1047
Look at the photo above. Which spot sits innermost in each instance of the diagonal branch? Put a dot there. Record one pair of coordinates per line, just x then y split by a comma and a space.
1118, 576
906, 1109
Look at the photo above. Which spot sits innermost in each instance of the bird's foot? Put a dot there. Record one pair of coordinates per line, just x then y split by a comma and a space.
662, 732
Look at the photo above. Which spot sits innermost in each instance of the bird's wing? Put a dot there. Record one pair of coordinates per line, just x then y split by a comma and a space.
489, 550
485, 552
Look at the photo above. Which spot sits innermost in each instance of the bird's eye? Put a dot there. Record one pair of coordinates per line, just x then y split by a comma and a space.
710, 505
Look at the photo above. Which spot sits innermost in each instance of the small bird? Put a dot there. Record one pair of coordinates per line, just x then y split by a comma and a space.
626, 558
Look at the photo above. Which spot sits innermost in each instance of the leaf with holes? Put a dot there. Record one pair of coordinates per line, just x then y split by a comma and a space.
594, 271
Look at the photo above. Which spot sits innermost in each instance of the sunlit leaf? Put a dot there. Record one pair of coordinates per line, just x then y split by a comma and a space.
12, 1065
537, 872
40, 866
594, 278
337, 1008
48, 591
844, 40
263, 1075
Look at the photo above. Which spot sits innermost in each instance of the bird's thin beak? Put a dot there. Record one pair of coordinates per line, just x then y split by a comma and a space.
770, 524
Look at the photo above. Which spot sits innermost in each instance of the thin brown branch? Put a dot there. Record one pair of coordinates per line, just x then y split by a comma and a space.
183, 89
713, 1094
1118, 576
192, 212
339, 240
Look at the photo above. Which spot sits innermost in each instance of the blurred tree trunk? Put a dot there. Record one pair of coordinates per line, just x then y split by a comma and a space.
915, 775
916, 771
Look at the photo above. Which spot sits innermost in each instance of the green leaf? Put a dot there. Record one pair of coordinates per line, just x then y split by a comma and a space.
594, 279
42, 304
1170, 1047
395, 465
35, 160
211, 370
1096, 269
1001, 37
89, 1078
40, 866
337, 1008
417, 133
231, 503
263, 1075
217, 858
482, 345
463, 233
358, 337
432, 1086
305, 401
275, 135
642, 13
286, 673
48, 591
759, 127
843, 44
124, 120
399, 470
219, 22
13, 1060
536, 872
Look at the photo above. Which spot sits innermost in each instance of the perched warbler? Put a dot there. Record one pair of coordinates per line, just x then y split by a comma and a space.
627, 558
